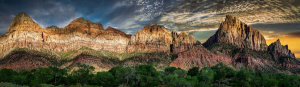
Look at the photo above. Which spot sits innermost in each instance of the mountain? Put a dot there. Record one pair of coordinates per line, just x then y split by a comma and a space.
238, 45
235, 32
29, 46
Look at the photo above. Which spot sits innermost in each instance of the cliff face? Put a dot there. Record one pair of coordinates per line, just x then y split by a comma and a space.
25, 33
235, 32
157, 38
151, 39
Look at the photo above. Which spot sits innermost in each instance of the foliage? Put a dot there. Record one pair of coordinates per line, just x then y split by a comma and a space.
146, 76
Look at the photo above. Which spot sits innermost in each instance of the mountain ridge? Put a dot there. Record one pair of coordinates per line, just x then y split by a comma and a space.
235, 44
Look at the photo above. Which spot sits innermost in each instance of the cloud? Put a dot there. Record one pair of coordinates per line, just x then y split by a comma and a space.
210, 13
294, 34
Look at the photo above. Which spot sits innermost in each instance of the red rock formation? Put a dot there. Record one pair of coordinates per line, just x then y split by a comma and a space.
182, 42
199, 56
22, 60
235, 32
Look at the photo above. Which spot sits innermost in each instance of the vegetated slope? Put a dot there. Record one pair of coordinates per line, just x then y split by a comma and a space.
27, 59
22, 59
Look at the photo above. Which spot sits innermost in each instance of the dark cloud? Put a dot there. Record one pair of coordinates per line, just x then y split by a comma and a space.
45, 12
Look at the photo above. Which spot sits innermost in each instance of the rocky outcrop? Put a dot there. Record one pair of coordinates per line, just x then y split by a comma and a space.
235, 32
151, 39
157, 38
23, 22
280, 52
199, 56
182, 42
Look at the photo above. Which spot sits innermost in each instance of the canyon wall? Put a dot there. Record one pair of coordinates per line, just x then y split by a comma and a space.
25, 33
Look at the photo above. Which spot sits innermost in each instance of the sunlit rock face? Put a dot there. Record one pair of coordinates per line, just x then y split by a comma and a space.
25, 33
151, 39
157, 38
235, 32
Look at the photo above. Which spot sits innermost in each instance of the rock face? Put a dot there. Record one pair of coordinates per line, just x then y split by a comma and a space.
25, 33
277, 51
157, 38
235, 32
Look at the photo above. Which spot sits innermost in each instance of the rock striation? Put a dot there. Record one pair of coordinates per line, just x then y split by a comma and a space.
25, 33
157, 38
235, 32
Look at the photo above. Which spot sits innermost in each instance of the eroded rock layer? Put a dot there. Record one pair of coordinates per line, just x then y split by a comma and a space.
25, 33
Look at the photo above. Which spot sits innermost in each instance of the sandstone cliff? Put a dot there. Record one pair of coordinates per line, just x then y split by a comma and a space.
157, 38
25, 33
235, 32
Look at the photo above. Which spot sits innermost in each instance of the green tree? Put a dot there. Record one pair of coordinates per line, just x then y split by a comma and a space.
193, 71
82, 75
42, 75
6, 75
104, 79
205, 77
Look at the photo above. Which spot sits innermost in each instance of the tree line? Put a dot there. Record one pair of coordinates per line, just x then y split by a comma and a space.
148, 76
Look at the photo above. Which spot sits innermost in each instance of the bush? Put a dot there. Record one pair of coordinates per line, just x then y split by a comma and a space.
146, 75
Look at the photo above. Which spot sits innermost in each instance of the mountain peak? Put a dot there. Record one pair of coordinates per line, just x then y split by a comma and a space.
235, 32
23, 22
80, 19
230, 18
278, 42
277, 50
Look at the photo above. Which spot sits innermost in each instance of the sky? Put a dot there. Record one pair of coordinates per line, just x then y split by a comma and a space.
276, 19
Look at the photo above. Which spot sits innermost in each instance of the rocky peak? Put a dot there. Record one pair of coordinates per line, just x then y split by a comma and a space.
23, 22
154, 29
235, 32
277, 50
82, 25
182, 38
114, 31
